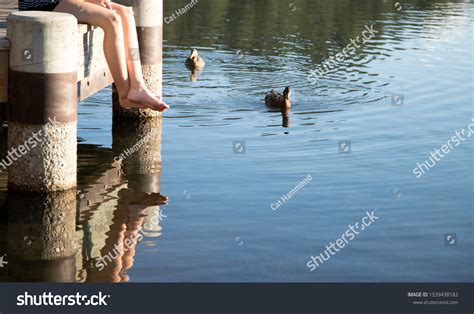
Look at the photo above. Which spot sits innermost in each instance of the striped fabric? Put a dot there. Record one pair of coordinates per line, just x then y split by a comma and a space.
37, 4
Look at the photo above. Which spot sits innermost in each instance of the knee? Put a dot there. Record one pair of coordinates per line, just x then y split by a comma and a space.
113, 21
126, 13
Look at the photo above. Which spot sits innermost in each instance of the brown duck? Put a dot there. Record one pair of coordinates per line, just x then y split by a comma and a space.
194, 61
277, 100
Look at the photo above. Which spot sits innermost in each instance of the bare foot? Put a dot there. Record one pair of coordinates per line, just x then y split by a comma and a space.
144, 96
127, 104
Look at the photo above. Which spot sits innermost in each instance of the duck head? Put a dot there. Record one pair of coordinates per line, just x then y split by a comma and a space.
194, 54
287, 93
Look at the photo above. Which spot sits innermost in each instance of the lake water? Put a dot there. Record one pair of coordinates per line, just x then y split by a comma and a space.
227, 159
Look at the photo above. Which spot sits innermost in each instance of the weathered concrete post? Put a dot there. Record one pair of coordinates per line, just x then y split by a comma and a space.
149, 19
42, 101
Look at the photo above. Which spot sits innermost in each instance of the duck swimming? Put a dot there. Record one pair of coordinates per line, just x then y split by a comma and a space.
194, 61
277, 100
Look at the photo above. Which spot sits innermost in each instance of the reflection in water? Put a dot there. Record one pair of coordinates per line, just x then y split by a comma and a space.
90, 234
194, 74
41, 236
423, 51
285, 117
136, 214
131, 223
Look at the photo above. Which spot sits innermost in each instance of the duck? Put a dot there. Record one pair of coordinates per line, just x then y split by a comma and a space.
277, 100
194, 61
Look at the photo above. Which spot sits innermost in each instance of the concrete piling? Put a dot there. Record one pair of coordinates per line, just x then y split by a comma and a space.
42, 144
149, 19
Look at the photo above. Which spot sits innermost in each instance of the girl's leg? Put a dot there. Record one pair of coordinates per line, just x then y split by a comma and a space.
111, 22
137, 84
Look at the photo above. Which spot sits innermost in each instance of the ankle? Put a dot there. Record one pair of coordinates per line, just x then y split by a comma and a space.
138, 86
122, 93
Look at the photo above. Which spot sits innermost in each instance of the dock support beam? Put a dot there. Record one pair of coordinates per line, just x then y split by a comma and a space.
149, 18
42, 143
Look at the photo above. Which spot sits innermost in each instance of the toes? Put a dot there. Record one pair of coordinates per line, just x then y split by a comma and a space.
158, 108
163, 108
132, 105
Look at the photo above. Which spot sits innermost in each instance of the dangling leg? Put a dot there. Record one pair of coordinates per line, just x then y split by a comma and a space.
138, 88
114, 49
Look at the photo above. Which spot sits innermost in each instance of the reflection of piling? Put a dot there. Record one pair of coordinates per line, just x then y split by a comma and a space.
149, 19
42, 101
140, 159
41, 236
142, 168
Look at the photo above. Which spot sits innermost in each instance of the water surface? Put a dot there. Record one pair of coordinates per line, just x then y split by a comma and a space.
218, 224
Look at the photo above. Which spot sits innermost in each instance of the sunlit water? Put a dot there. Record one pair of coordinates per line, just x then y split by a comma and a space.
219, 224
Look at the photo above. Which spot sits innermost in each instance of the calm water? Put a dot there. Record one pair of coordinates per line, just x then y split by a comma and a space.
218, 224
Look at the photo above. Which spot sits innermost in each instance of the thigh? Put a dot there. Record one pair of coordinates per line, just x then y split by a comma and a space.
86, 12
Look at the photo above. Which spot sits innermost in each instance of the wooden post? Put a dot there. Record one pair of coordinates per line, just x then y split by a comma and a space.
42, 142
149, 19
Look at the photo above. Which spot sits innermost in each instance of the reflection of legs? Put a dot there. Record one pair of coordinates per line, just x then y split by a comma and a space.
128, 80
